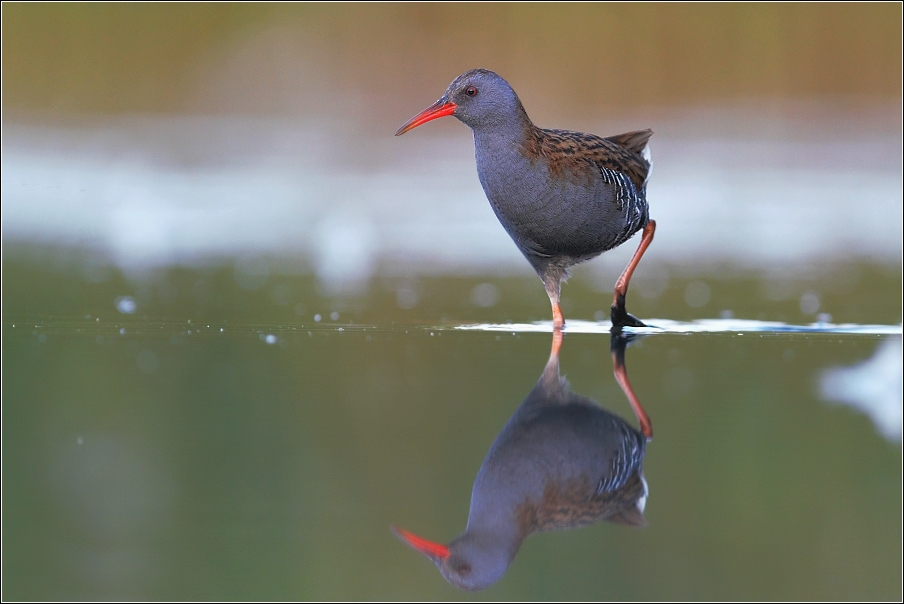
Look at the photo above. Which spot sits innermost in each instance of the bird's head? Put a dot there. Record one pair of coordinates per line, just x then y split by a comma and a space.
479, 98
467, 563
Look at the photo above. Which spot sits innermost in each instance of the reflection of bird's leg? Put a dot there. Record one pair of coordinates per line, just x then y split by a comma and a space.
620, 316
557, 337
551, 371
621, 376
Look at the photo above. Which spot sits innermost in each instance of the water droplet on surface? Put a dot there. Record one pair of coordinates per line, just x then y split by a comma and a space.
270, 339
126, 305
122, 331
317, 318
334, 316
79, 441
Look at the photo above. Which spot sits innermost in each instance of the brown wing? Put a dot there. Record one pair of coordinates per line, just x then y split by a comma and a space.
566, 151
573, 504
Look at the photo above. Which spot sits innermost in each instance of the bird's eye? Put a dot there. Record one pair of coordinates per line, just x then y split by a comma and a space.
464, 569
471, 91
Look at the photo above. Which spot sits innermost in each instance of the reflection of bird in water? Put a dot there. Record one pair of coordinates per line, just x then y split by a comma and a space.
563, 196
560, 462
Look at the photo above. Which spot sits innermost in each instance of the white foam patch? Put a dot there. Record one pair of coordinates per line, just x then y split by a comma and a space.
153, 192
872, 387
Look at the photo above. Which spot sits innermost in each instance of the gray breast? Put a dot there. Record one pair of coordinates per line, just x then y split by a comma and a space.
574, 217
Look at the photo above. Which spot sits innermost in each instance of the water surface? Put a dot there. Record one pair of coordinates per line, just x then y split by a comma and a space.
208, 457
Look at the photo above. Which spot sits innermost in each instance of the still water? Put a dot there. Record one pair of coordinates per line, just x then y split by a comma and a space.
172, 449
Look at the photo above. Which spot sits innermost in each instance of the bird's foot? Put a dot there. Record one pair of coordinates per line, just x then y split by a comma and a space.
622, 318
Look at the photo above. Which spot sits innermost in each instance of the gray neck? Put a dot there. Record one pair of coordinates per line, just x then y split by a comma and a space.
491, 521
503, 128
497, 550
499, 155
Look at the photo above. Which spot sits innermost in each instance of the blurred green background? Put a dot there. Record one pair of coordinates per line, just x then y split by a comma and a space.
230, 294
576, 58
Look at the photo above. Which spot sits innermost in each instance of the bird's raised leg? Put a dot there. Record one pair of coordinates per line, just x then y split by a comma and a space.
618, 344
620, 316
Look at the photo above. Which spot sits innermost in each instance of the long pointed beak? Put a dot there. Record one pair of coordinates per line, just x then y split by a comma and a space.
434, 551
440, 108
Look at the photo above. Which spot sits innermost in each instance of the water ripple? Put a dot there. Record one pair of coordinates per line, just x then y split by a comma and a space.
655, 326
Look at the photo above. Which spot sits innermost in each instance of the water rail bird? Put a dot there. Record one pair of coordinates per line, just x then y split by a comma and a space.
564, 197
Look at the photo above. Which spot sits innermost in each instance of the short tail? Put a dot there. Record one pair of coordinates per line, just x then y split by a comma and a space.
633, 141
638, 142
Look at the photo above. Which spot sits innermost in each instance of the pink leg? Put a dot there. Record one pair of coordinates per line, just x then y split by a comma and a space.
621, 376
620, 316
553, 285
558, 320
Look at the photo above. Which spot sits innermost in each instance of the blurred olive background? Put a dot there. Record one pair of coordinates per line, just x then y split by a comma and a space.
229, 297
571, 59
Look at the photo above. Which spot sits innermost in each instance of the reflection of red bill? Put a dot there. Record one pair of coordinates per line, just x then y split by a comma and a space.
434, 551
